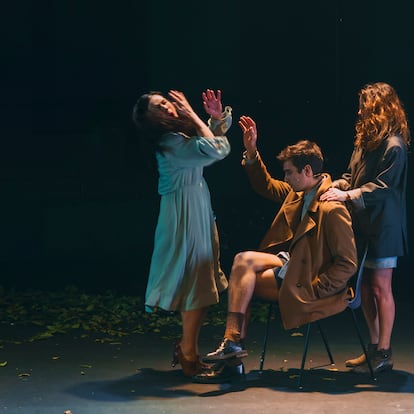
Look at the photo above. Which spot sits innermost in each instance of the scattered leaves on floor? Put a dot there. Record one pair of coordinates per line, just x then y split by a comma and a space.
106, 317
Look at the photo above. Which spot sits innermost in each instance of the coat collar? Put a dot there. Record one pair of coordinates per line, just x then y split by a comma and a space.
293, 210
324, 186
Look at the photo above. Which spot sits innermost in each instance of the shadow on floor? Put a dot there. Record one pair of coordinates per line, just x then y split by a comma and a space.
154, 384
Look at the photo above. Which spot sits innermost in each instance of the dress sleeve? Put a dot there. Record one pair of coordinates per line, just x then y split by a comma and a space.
216, 148
193, 151
219, 127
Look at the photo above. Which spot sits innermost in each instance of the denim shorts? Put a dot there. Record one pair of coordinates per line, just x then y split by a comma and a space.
284, 257
381, 262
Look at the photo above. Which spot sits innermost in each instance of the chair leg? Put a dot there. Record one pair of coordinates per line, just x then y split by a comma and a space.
328, 349
262, 356
305, 352
361, 341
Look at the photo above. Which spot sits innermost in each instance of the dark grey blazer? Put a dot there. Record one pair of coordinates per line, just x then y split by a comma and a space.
380, 218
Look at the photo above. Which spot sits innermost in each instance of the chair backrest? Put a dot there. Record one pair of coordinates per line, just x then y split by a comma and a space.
355, 302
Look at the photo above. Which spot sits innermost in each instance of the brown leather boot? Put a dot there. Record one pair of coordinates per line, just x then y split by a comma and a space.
356, 362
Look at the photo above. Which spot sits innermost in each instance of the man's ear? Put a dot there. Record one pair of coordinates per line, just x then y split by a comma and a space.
308, 170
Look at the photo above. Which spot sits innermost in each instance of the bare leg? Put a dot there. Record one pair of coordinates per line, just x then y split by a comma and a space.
248, 276
378, 306
369, 307
251, 275
267, 289
191, 321
243, 332
381, 282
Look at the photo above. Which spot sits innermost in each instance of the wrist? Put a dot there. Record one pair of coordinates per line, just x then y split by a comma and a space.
251, 155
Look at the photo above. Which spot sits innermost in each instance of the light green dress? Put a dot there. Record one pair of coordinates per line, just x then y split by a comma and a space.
185, 271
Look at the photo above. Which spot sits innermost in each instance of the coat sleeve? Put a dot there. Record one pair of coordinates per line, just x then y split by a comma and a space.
262, 182
388, 177
381, 178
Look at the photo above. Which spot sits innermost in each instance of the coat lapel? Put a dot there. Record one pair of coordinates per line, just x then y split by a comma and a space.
305, 226
292, 210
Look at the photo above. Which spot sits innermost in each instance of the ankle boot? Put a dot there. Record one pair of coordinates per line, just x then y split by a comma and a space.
380, 361
356, 362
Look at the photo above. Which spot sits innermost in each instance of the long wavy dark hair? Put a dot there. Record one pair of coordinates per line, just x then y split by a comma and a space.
381, 114
153, 125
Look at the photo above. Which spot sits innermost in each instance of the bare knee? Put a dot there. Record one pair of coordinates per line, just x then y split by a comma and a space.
381, 291
381, 283
242, 262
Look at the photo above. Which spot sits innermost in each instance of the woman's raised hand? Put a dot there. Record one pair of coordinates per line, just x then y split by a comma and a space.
212, 103
180, 102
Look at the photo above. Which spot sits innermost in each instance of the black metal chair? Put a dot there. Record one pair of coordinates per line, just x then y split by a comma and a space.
353, 304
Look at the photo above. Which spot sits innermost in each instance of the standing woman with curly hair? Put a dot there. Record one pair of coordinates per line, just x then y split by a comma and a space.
374, 188
185, 273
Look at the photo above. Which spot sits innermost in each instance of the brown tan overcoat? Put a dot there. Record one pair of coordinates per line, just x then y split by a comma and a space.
321, 246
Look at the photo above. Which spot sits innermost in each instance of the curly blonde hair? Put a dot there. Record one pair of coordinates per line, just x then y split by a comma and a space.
381, 114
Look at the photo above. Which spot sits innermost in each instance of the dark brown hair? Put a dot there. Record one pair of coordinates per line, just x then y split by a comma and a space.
303, 153
154, 124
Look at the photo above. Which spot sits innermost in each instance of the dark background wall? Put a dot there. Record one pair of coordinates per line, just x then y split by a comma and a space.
79, 205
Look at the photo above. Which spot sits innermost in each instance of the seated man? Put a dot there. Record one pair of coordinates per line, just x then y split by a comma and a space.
310, 246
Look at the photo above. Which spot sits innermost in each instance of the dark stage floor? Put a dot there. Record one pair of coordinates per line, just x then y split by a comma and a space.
133, 375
